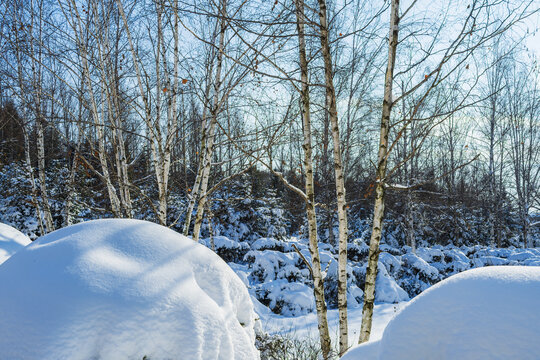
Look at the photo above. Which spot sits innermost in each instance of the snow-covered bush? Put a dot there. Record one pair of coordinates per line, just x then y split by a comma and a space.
357, 250
16, 203
286, 298
268, 265
122, 289
228, 250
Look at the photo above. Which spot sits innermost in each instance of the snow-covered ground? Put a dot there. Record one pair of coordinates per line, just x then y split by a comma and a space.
127, 282
122, 289
11, 241
305, 326
485, 313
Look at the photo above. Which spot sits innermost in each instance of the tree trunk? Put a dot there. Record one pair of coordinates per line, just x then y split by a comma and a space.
318, 282
30, 170
194, 194
207, 156
42, 176
340, 181
101, 153
37, 87
378, 212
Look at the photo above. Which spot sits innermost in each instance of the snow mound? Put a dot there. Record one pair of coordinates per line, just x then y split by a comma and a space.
484, 313
11, 241
122, 289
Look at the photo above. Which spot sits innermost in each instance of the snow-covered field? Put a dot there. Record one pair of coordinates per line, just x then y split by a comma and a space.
112, 288
305, 326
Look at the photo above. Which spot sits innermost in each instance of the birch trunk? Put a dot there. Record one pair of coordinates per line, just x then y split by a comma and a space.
378, 212
196, 185
207, 156
28, 160
318, 282
160, 153
340, 181
30, 171
110, 82
42, 177
207, 164
37, 83
101, 153
71, 182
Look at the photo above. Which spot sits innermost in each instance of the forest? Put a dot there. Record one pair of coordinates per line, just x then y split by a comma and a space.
348, 130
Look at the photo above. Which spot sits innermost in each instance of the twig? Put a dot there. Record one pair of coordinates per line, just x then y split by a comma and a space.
304, 258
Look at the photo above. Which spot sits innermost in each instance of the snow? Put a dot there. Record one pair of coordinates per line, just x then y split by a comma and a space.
122, 289
11, 241
269, 244
305, 326
287, 298
420, 266
484, 313
386, 288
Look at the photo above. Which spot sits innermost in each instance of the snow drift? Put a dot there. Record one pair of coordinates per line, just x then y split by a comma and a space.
122, 289
11, 241
484, 313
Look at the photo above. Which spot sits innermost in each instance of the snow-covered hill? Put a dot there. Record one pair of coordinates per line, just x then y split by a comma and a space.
11, 241
487, 313
122, 289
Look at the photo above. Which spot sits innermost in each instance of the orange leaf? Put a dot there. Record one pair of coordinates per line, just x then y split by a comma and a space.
426, 76
164, 89
184, 81
340, 34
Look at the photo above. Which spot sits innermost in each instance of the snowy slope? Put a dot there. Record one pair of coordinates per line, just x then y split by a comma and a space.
122, 289
484, 313
11, 241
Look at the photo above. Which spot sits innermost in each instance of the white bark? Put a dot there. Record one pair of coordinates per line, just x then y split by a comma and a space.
378, 212
37, 84
340, 181
42, 176
209, 146
98, 122
318, 282
194, 194
160, 146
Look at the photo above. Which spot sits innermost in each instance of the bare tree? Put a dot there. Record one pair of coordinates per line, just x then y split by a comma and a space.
522, 111
318, 285
339, 177
476, 29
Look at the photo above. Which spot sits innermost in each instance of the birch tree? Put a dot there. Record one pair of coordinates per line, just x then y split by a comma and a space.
36, 54
160, 137
81, 30
331, 101
378, 210
318, 286
522, 112
207, 146
476, 28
